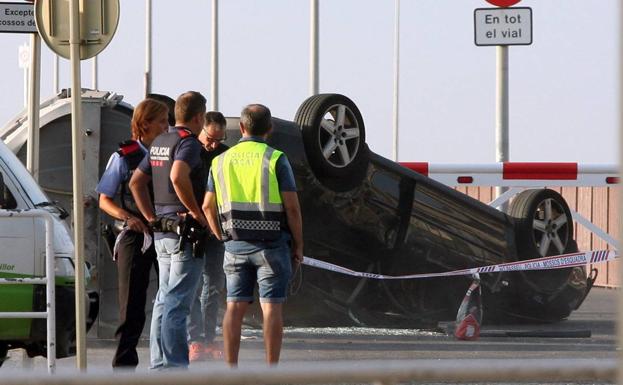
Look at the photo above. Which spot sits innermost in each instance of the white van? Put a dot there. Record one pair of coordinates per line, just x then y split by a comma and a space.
22, 254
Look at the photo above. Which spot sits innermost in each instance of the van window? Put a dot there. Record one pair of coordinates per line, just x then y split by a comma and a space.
7, 200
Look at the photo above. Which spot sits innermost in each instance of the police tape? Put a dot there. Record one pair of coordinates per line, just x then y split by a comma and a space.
543, 263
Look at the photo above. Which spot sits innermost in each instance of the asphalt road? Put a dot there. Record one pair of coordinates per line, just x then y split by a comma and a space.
597, 316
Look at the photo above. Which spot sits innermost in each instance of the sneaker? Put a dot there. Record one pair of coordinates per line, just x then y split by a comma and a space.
213, 351
196, 352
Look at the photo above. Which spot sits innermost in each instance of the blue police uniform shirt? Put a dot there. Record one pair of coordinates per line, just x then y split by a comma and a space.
285, 179
116, 174
188, 151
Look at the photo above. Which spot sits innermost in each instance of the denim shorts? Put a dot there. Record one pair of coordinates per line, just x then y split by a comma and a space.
270, 268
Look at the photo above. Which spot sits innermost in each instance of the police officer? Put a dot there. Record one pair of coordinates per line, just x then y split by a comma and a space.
133, 266
204, 312
252, 187
170, 104
174, 165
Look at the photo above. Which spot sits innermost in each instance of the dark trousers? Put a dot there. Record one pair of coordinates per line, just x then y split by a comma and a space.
204, 310
133, 269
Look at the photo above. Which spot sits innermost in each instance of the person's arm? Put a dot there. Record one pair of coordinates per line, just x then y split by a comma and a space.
108, 205
290, 200
295, 222
139, 185
209, 209
180, 177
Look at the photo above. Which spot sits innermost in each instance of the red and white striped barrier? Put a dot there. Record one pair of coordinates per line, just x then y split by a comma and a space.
518, 174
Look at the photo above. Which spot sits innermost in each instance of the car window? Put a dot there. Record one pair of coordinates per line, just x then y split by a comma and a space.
386, 184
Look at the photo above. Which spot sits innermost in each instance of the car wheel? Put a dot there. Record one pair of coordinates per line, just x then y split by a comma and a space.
333, 134
543, 223
544, 227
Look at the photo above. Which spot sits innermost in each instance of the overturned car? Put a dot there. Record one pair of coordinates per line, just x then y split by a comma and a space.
360, 211
369, 214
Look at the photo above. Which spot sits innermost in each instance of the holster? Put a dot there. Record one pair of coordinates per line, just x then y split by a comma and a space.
191, 231
166, 225
188, 229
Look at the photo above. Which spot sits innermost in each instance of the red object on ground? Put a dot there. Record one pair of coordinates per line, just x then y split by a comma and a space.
469, 316
468, 329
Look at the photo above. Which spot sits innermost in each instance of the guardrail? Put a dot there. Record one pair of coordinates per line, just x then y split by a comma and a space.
341, 372
48, 280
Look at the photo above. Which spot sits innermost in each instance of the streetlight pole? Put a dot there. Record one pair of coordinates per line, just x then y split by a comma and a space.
148, 74
214, 58
396, 79
313, 48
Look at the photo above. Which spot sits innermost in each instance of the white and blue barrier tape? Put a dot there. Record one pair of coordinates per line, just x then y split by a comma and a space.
544, 263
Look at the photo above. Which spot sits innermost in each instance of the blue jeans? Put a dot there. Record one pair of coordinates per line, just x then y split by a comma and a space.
178, 279
204, 310
271, 268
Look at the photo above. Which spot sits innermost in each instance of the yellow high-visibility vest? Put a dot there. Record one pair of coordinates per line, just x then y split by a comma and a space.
247, 192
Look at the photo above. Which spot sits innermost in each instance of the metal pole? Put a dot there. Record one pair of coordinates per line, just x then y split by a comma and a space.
94, 73
501, 112
50, 292
32, 147
313, 53
620, 201
56, 83
214, 77
396, 78
76, 139
147, 47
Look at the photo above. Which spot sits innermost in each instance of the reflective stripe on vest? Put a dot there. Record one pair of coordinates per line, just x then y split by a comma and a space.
247, 192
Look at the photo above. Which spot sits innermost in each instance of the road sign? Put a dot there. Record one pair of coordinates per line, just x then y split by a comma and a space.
503, 3
98, 24
17, 18
503, 26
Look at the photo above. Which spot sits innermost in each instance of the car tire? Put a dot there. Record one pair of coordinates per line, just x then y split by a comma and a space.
333, 134
544, 227
543, 223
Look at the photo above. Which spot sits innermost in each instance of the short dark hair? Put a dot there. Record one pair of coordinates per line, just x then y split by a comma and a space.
170, 103
188, 105
215, 117
256, 119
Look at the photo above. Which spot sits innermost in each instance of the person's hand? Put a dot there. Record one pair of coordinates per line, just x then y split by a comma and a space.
200, 218
135, 224
297, 255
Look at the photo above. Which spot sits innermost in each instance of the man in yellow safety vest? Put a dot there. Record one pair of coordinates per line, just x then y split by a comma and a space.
251, 203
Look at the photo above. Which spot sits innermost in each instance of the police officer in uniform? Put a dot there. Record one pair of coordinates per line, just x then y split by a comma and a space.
133, 265
204, 311
252, 204
175, 167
